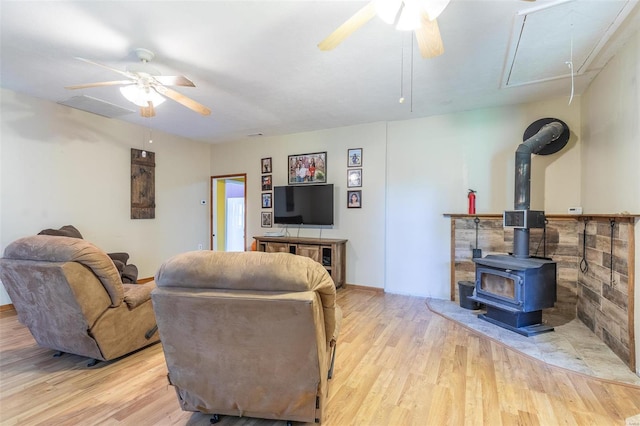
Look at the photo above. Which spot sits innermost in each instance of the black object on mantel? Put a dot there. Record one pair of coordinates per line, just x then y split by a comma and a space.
515, 288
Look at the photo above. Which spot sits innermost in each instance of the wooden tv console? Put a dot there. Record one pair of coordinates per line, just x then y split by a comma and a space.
328, 252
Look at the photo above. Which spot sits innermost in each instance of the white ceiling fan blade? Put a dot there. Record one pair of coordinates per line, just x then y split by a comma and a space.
182, 99
124, 73
174, 80
100, 84
360, 18
429, 40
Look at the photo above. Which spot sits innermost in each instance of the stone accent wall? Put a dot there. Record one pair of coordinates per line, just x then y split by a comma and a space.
603, 292
599, 302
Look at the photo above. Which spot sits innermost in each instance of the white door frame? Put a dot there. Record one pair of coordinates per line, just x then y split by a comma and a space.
213, 203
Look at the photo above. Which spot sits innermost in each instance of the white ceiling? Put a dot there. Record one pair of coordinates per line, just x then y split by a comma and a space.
257, 67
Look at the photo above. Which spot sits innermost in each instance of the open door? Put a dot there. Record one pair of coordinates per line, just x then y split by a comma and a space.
228, 213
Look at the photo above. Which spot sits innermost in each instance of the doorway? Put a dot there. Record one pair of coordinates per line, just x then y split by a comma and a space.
228, 212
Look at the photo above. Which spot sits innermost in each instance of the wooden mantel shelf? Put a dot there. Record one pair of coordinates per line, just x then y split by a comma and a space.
585, 216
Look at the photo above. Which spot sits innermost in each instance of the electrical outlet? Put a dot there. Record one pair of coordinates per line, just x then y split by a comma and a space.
200, 246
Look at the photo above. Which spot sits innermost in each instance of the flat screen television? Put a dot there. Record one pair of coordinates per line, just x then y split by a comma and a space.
303, 205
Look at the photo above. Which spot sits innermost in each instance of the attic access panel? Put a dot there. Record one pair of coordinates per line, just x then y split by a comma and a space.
546, 37
96, 106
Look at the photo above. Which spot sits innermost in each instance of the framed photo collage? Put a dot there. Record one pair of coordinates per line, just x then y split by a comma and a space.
266, 215
354, 178
310, 169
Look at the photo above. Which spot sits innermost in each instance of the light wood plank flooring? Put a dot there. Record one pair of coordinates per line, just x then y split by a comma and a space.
397, 364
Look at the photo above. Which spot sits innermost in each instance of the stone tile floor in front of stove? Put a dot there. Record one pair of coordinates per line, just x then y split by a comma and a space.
571, 345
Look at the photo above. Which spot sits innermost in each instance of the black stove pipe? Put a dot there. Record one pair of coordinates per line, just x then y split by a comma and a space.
522, 197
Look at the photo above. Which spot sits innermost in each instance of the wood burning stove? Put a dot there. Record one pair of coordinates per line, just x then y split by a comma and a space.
515, 291
516, 287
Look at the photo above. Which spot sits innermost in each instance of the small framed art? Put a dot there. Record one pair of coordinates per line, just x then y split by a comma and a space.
354, 199
307, 168
265, 165
267, 185
266, 219
354, 157
354, 178
266, 200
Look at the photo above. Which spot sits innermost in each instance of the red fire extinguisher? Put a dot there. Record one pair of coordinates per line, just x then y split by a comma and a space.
472, 201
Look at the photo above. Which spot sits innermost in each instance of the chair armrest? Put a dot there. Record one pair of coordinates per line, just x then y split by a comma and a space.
136, 294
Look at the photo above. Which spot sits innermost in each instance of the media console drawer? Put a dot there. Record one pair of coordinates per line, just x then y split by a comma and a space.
309, 251
277, 248
330, 253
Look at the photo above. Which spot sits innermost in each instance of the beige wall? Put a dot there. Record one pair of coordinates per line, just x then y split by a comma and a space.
62, 166
611, 147
611, 128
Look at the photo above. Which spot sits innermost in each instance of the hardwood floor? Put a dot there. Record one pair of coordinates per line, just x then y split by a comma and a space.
397, 364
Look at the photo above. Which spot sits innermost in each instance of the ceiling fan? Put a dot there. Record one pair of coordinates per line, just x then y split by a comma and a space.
145, 86
417, 15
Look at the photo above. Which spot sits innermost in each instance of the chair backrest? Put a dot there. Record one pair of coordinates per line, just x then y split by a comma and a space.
58, 286
49, 248
245, 333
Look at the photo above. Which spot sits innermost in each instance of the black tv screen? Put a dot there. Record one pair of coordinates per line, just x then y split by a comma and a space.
303, 205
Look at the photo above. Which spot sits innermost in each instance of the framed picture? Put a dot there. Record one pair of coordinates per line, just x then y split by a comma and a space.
266, 200
354, 156
265, 165
307, 168
266, 183
265, 221
354, 178
354, 199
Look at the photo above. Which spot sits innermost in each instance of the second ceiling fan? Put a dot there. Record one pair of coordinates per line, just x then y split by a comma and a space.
416, 15
145, 86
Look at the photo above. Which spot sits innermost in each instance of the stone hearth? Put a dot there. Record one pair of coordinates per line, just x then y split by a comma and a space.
597, 297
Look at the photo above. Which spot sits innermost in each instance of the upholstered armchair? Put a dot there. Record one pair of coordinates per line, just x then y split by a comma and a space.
70, 295
248, 333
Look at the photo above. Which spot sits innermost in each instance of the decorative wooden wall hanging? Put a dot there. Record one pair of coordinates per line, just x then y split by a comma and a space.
143, 184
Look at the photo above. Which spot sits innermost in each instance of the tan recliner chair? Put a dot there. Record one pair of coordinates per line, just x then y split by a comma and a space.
71, 297
248, 334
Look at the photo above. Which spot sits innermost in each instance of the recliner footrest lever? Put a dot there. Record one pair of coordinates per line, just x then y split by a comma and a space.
151, 332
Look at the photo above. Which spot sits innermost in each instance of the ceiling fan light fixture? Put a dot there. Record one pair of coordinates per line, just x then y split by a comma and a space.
406, 15
141, 95
410, 16
387, 10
